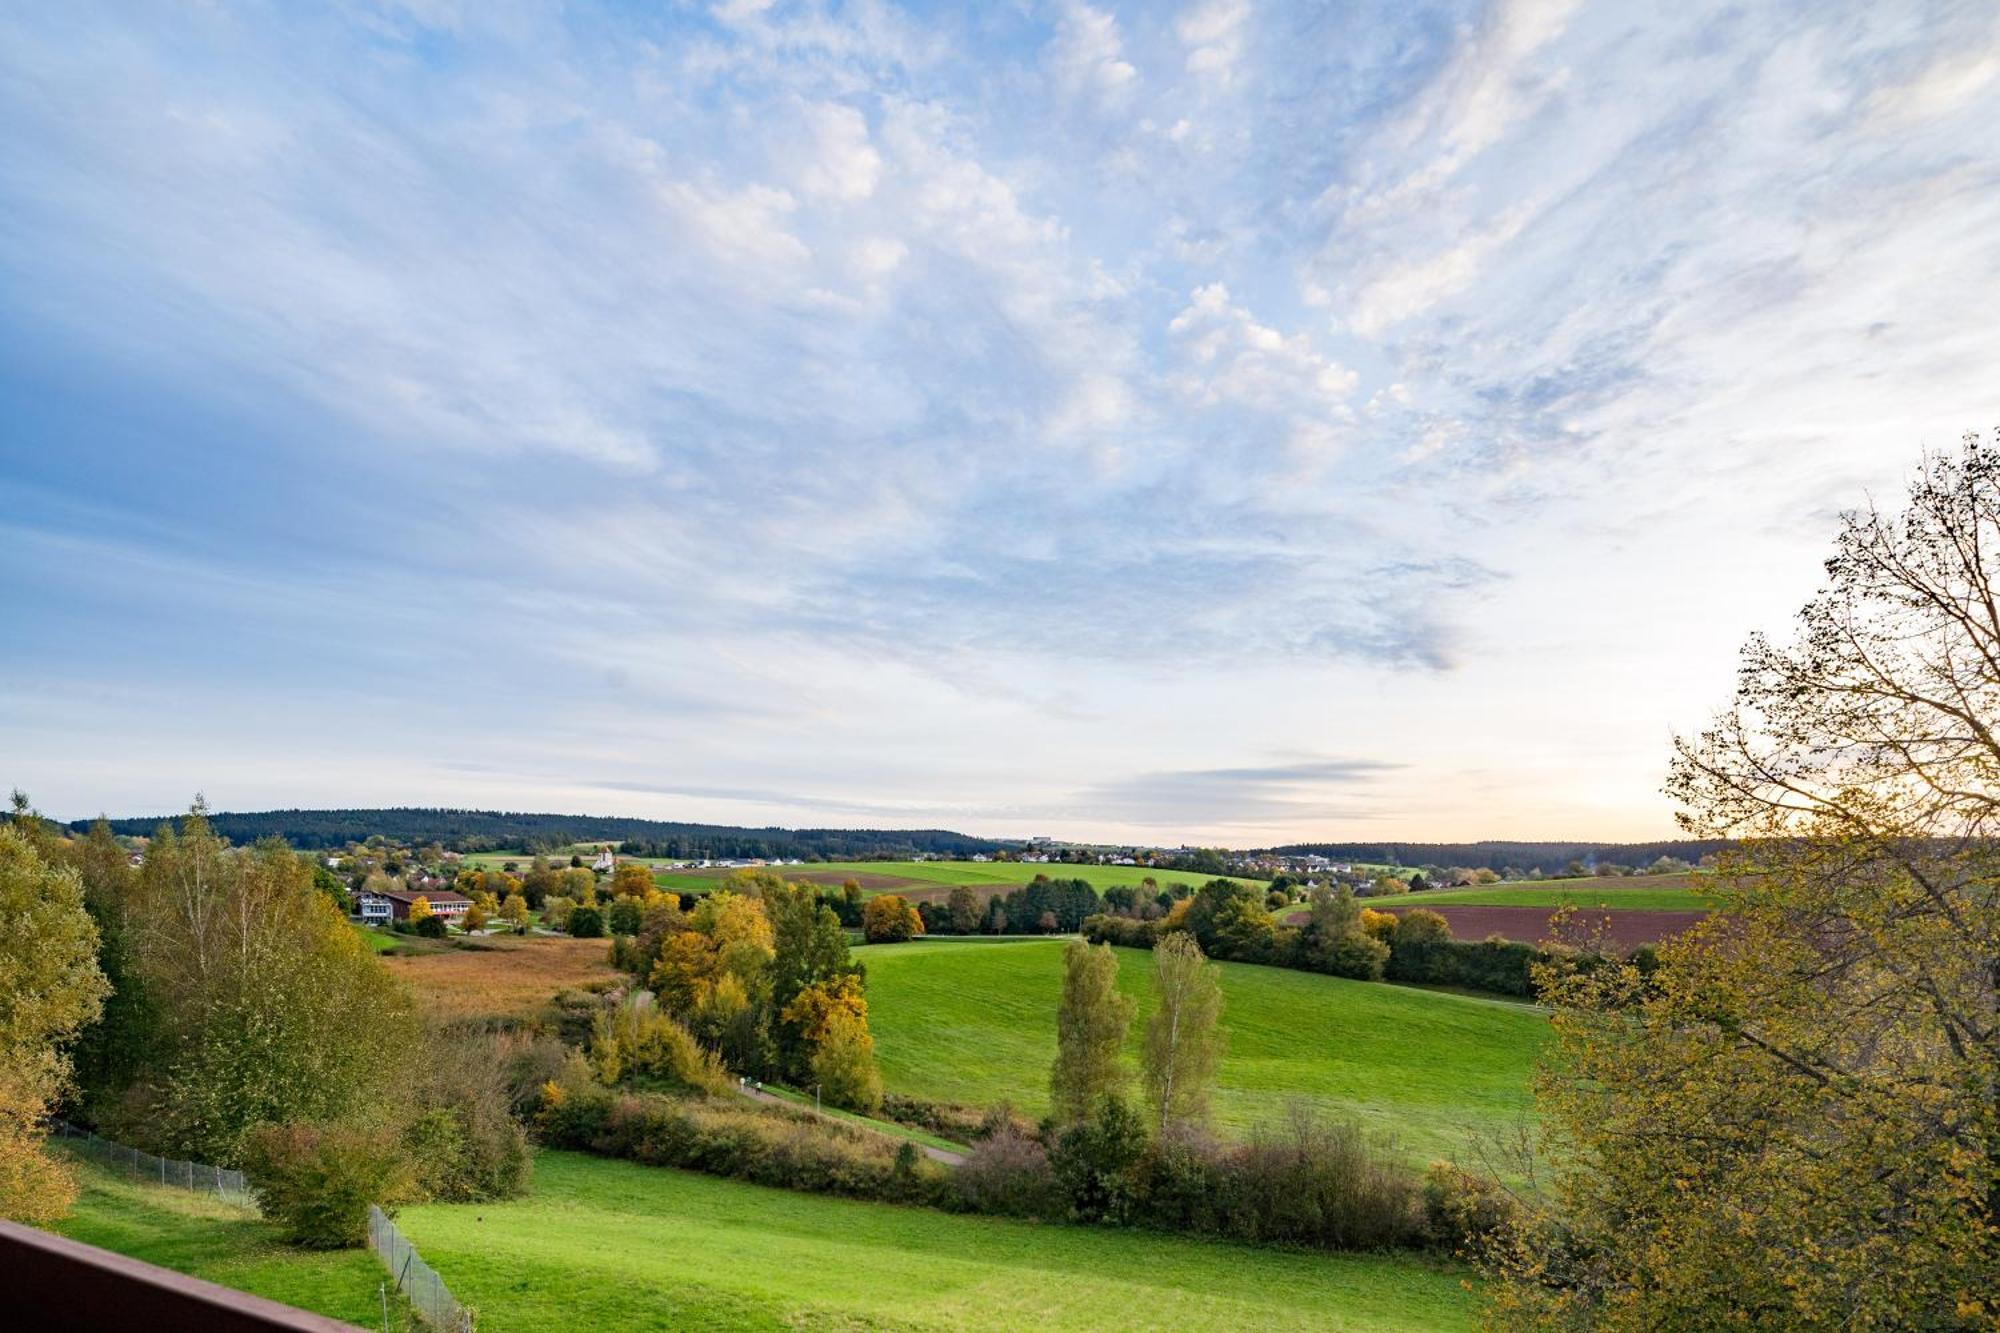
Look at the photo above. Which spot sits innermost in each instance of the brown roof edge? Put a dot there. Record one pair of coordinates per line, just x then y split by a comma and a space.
56, 1282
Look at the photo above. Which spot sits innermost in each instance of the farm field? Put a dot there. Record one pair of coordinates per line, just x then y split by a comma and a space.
503, 975
615, 1245
974, 1022
222, 1243
928, 879
1639, 893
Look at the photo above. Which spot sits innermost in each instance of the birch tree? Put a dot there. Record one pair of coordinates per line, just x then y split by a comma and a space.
1184, 1042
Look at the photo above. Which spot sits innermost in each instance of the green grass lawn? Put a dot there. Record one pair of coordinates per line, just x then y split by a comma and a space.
961, 1022
1638, 893
608, 1245
223, 1243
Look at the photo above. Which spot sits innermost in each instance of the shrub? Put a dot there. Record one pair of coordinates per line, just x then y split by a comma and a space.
1007, 1173
466, 1143
961, 1124
430, 927
1094, 1163
1464, 1213
316, 1182
627, 914
1310, 1182
639, 1040
765, 1144
586, 923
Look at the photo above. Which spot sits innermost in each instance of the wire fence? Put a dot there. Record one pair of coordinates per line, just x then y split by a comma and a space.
195, 1177
415, 1279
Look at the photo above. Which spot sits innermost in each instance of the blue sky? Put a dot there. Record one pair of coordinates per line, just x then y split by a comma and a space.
1223, 421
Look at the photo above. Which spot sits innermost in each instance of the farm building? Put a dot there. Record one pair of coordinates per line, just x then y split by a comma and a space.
444, 903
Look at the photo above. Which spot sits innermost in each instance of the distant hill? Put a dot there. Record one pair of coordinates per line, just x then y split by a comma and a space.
1547, 857
489, 830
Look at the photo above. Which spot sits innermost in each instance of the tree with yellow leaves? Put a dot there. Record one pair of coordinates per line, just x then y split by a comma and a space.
1795, 1120
48, 956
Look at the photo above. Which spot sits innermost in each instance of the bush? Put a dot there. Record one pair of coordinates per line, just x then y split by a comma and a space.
465, 1144
1464, 1213
767, 1145
316, 1182
961, 1124
1007, 1174
1094, 1163
643, 1041
586, 923
1311, 1182
430, 927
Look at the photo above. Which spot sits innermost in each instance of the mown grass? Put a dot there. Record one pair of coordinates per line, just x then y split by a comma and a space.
959, 1023
1638, 893
226, 1244
613, 1245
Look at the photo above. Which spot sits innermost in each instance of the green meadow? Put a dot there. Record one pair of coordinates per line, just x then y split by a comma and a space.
974, 1022
225, 1244
946, 874
614, 1245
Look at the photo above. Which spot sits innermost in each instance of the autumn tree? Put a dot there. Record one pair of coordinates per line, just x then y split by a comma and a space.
420, 908
270, 1006
631, 879
808, 947
889, 919
51, 988
963, 908
1091, 1021
832, 1019
514, 911
1795, 1120
1183, 1042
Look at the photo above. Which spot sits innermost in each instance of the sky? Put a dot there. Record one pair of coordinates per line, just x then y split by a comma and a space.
1220, 422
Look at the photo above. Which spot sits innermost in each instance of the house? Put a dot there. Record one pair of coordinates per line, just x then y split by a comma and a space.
605, 861
374, 909
444, 903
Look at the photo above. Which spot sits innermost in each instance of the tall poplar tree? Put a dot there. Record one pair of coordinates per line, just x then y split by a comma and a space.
1091, 1022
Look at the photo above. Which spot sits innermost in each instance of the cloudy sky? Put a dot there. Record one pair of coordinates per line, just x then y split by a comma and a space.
1226, 421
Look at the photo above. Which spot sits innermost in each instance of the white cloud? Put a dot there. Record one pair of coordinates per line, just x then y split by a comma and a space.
748, 223
1229, 356
1087, 54
839, 162
1212, 33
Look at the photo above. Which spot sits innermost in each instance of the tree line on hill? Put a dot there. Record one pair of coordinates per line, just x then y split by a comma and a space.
1512, 859
492, 830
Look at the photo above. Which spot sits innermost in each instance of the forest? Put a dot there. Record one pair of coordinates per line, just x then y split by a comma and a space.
493, 830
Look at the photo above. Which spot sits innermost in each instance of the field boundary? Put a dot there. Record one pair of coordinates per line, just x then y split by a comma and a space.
415, 1280
194, 1177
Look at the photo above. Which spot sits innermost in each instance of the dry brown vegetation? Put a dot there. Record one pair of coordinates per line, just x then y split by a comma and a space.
503, 976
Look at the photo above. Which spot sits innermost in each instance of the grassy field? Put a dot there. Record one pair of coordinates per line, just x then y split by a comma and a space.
943, 875
502, 975
1638, 893
962, 1021
614, 1245
223, 1243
